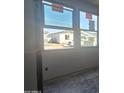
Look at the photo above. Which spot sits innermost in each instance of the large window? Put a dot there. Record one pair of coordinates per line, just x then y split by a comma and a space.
58, 26
88, 28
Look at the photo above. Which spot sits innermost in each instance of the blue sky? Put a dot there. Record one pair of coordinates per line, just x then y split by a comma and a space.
57, 18
65, 19
84, 23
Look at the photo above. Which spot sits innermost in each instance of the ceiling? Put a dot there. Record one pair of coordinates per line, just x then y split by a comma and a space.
94, 2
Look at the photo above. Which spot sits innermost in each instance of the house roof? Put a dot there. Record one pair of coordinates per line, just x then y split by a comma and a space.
61, 32
88, 33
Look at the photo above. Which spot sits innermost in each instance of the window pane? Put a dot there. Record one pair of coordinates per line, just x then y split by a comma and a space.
88, 38
88, 24
57, 39
55, 18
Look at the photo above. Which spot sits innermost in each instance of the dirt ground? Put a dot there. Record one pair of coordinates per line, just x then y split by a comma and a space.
54, 46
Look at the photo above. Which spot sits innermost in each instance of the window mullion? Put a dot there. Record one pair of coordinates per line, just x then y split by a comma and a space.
97, 30
76, 27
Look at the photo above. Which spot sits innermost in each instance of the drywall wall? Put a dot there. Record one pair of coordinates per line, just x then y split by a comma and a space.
30, 78
65, 61
61, 62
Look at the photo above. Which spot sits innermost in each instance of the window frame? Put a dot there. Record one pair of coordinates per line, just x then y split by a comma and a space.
57, 27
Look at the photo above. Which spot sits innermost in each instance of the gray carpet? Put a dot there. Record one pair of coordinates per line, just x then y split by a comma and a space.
82, 82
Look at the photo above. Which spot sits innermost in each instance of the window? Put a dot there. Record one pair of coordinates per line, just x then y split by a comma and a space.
57, 17
66, 37
88, 23
58, 26
57, 39
88, 28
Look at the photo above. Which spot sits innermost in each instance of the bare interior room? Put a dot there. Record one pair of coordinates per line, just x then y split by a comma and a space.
61, 46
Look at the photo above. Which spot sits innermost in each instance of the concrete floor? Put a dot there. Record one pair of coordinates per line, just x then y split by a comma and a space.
81, 82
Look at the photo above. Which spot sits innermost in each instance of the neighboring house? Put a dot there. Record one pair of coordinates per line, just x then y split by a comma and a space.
88, 38
46, 38
63, 37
